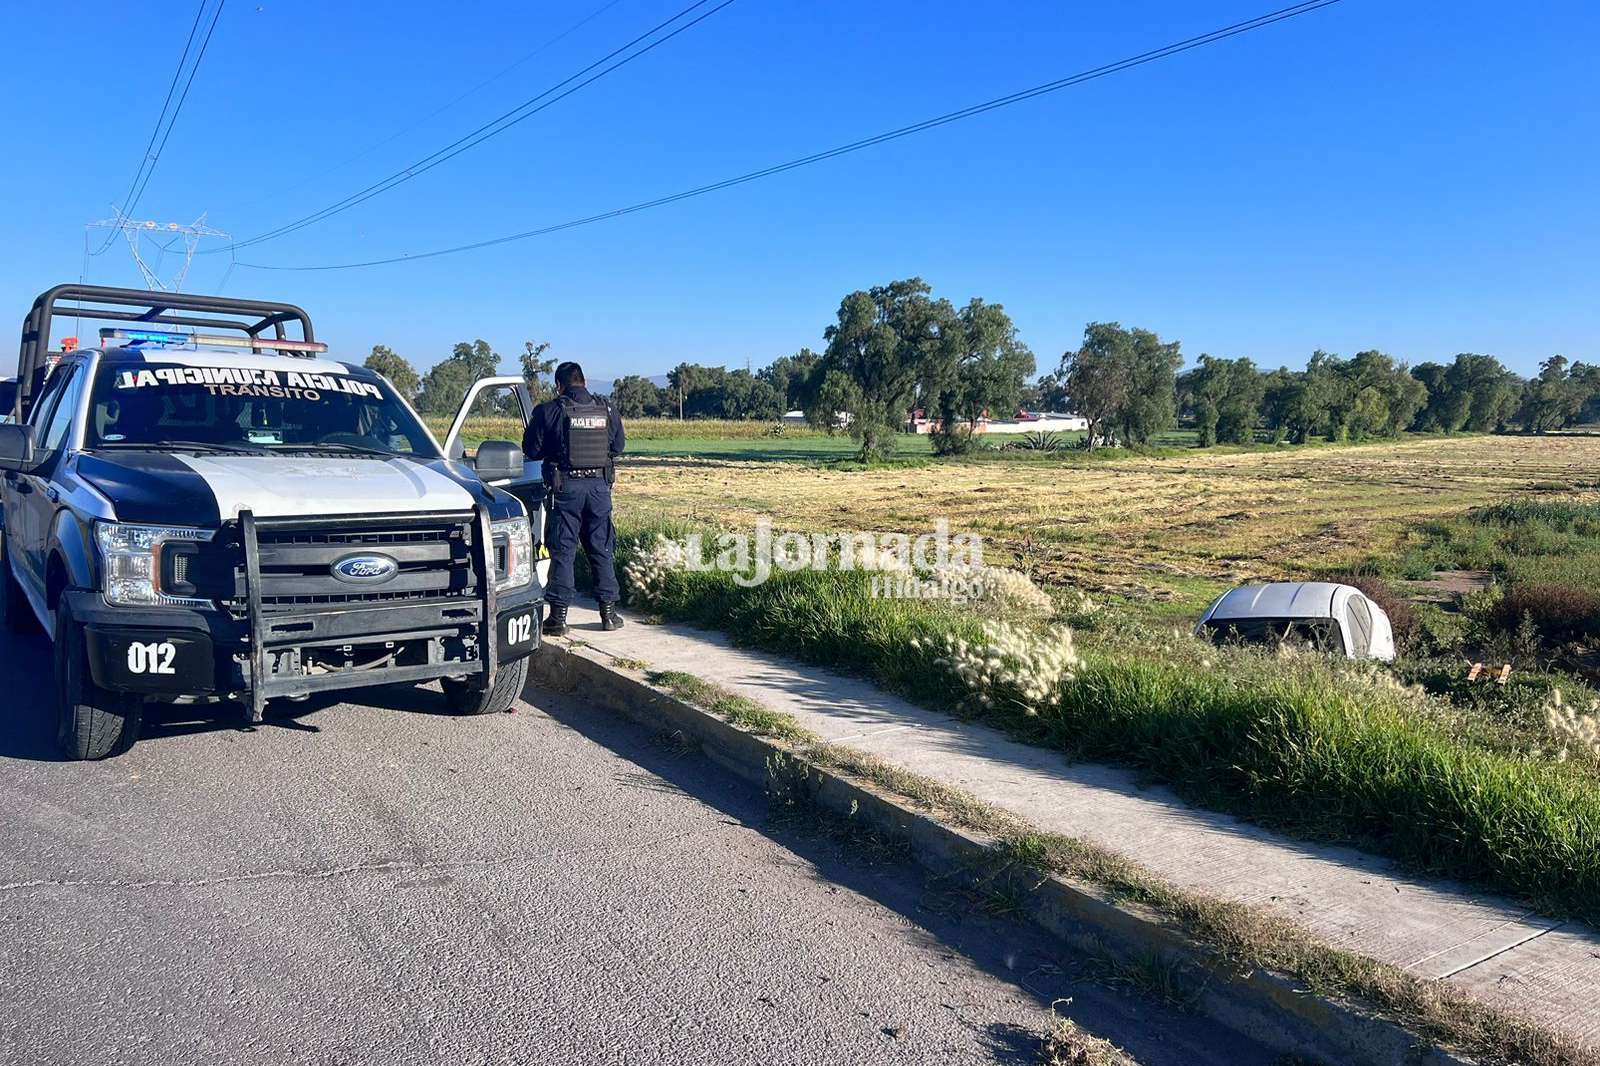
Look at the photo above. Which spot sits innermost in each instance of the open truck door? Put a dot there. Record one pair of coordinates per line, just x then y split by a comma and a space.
501, 397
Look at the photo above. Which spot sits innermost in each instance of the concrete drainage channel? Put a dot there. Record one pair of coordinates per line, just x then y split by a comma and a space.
1273, 1011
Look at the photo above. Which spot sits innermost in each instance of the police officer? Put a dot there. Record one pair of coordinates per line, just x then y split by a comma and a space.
576, 438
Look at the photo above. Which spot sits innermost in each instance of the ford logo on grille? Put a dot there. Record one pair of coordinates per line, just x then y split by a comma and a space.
365, 569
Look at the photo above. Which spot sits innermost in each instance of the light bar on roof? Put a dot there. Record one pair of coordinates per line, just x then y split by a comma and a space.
191, 340
225, 341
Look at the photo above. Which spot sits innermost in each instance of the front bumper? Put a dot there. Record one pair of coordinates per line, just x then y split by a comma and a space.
174, 652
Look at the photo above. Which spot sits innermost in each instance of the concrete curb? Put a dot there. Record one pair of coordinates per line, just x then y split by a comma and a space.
1272, 1010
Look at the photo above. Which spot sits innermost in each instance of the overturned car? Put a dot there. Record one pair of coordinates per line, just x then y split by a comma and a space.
1322, 615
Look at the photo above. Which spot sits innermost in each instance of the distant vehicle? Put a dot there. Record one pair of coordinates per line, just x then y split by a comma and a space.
1320, 614
8, 397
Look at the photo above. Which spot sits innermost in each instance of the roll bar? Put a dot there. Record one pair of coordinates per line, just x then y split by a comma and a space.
100, 302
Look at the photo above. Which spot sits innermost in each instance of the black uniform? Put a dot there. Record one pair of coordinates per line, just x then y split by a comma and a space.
575, 438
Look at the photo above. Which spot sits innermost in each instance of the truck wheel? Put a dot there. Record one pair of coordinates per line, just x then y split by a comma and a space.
508, 684
94, 723
15, 614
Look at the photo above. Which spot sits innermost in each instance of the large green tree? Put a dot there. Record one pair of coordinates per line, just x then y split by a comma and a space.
1383, 396
446, 385
981, 372
1586, 380
1474, 392
1226, 397
536, 370
637, 397
878, 351
1049, 393
1123, 383
1096, 378
746, 396
401, 374
1279, 400
1325, 406
1556, 397
685, 379
791, 376
1444, 410
1150, 407
1492, 391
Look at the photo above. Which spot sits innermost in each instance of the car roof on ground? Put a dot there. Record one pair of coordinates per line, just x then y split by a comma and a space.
232, 357
1279, 599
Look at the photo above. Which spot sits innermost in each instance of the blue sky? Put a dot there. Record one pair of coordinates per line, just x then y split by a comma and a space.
1417, 177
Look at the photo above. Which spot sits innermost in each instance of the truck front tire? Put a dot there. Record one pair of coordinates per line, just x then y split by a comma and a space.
95, 723
509, 680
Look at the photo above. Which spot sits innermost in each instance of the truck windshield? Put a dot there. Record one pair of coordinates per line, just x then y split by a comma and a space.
249, 409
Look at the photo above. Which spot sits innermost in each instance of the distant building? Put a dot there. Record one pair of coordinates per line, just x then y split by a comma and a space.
1024, 422
798, 418
1040, 422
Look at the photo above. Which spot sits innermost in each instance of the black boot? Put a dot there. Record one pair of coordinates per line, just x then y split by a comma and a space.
609, 618
555, 620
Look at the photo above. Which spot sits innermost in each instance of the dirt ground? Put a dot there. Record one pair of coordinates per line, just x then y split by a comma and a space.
1170, 530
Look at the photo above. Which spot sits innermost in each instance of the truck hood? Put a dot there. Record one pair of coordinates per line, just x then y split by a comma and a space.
206, 489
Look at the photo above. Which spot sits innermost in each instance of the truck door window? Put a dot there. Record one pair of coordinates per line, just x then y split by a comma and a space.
61, 417
44, 405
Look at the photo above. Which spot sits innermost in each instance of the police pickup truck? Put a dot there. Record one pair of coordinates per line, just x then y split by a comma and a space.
203, 509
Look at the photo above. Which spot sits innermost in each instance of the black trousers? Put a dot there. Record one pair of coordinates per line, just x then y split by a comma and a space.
580, 511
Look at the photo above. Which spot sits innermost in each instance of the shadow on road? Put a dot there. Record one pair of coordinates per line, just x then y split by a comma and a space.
164, 720
27, 718
939, 916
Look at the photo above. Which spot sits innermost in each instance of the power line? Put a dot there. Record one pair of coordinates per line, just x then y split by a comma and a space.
144, 159
199, 57
488, 130
499, 125
436, 112
855, 146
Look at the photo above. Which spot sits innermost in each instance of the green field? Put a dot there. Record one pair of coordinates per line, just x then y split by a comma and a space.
765, 449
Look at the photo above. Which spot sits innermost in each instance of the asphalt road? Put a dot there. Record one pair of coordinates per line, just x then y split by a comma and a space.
390, 884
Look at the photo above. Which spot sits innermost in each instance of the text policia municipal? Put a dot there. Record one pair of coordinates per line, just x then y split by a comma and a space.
248, 381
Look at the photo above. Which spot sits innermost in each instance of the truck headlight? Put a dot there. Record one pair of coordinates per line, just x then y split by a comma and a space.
148, 566
513, 553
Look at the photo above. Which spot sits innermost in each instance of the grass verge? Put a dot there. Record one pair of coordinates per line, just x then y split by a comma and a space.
1235, 935
1320, 751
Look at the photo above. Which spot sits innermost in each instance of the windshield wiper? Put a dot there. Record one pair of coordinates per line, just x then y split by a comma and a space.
348, 449
187, 445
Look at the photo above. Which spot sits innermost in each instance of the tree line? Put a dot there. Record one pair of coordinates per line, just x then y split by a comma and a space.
896, 348
1126, 383
441, 390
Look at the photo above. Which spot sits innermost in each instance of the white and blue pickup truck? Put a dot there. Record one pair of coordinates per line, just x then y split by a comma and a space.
202, 509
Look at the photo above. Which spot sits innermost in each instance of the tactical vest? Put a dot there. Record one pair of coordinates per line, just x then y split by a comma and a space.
586, 436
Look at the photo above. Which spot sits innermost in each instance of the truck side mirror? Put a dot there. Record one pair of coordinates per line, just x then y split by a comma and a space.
498, 460
16, 448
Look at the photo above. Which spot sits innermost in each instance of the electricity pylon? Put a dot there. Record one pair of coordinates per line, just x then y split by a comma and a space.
136, 231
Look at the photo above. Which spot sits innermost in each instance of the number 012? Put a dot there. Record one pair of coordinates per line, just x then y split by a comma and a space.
153, 658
